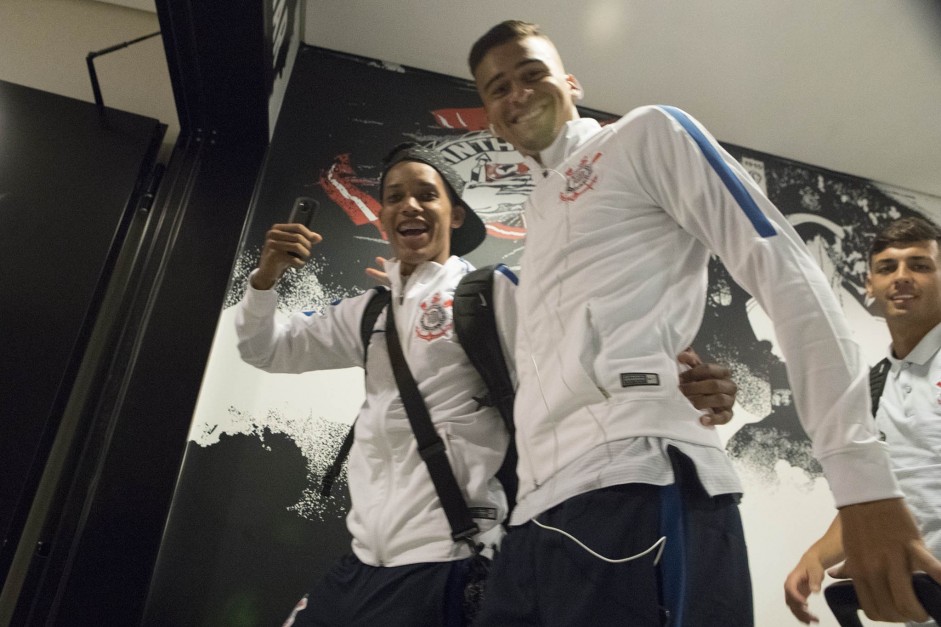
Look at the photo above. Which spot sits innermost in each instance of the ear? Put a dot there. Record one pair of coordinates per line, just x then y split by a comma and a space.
869, 285
576, 88
457, 215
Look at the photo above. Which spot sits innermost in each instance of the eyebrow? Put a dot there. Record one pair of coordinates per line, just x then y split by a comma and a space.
516, 67
894, 260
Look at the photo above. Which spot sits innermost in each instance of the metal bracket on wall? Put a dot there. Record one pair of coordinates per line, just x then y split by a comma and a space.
93, 75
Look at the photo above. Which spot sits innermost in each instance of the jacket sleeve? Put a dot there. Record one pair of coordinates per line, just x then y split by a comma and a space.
712, 197
300, 342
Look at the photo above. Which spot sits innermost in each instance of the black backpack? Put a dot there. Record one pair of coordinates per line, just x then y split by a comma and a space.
476, 327
877, 377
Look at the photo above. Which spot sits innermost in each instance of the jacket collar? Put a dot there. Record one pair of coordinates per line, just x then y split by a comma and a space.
575, 133
424, 273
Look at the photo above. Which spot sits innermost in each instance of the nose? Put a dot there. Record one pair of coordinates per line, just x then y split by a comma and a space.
520, 94
410, 205
902, 274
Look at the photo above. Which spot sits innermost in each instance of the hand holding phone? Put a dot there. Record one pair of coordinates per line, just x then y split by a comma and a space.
842, 599
303, 211
280, 242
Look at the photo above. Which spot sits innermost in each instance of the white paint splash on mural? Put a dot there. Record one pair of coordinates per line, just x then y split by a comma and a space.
314, 409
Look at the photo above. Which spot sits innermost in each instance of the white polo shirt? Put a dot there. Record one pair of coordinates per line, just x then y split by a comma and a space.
910, 418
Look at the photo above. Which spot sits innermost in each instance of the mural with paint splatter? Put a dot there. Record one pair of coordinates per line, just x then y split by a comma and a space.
341, 114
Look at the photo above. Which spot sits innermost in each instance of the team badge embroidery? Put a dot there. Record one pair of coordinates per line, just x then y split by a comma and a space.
435, 320
580, 179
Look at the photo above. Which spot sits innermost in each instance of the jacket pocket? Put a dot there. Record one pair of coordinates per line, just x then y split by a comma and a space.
568, 380
627, 360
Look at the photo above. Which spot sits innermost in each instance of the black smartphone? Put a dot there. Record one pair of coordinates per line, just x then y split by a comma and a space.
303, 211
843, 602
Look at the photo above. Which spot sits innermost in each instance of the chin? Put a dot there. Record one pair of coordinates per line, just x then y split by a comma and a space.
533, 147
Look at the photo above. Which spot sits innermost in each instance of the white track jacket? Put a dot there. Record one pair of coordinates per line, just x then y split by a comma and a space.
613, 286
396, 517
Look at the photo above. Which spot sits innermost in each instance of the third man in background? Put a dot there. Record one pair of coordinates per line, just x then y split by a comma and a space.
905, 283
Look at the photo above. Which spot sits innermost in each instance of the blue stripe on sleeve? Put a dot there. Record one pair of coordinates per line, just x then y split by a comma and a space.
505, 271
735, 186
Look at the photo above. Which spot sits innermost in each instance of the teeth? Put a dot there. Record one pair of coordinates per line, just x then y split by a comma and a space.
412, 229
526, 117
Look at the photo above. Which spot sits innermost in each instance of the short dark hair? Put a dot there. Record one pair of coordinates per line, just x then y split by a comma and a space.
905, 231
506, 31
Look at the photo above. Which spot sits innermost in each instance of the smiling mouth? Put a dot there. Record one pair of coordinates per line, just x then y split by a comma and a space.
532, 114
412, 230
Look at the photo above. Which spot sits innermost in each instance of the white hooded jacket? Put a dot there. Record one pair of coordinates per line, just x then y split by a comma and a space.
620, 228
396, 517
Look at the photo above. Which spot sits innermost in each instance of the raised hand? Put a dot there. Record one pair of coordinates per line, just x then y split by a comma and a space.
286, 246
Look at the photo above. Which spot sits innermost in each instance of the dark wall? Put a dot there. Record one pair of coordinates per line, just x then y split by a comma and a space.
69, 183
101, 528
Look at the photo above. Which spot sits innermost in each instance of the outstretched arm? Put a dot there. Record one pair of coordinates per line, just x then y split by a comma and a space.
883, 548
708, 387
807, 576
299, 341
685, 166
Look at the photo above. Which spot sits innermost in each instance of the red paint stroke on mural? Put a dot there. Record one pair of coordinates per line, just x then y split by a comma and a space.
504, 231
469, 118
340, 184
499, 171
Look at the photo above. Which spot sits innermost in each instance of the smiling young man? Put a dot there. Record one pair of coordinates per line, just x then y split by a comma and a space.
405, 569
905, 284
620, 225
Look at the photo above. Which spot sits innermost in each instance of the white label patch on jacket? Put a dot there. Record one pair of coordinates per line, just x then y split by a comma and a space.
633, 379
486, 513
435, 320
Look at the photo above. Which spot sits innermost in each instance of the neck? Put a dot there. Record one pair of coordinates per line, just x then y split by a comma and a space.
906, 336
532, 155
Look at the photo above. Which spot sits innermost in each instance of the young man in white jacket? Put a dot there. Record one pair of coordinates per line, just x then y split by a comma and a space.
619, 227
905, 284
405, 569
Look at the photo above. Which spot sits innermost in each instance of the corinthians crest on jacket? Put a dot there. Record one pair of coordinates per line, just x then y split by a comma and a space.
580, 178
435, 320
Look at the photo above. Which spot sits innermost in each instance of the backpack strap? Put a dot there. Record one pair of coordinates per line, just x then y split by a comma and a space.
877, 377
475, 324
377, 302
431, 447
380, 298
